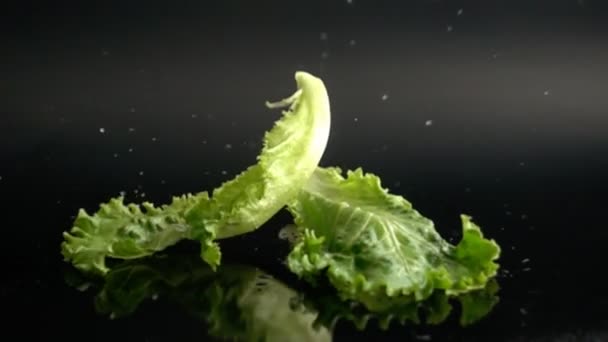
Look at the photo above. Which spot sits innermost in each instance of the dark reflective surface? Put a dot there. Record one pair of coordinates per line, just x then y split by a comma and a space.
498, 112
244, 303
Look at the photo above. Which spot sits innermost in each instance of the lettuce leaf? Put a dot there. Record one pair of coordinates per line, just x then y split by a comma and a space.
376, 249
372, 246
291, 151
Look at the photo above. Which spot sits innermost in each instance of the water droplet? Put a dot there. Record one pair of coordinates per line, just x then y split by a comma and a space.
350, 2
132, 109
356, 119
83, 287
131, 129
525, 261
153, 138
143, 194
450, 28
527, 269
224, 172
0, 178
459, 12
384, 97
423, 337
115, 155
289, 233
204, 142
162, 181
523, 311
122, 193
323, 36
546, 92
102, 130
155, 296
324, 55
130, 149
352, 42
428, 123
522, 164
141, 173
228, 146
524, 216
194, 116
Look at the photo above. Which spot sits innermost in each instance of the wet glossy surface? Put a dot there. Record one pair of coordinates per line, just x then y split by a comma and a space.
495, 111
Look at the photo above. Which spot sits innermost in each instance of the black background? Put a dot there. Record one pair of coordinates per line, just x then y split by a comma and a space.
498, 112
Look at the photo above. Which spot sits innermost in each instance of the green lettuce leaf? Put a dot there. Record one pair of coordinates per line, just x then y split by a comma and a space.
376, 249
291, 151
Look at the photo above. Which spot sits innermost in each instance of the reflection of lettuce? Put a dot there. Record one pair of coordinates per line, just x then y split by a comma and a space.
292, 150
474, 305
245, 304
237, 302
372, 246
